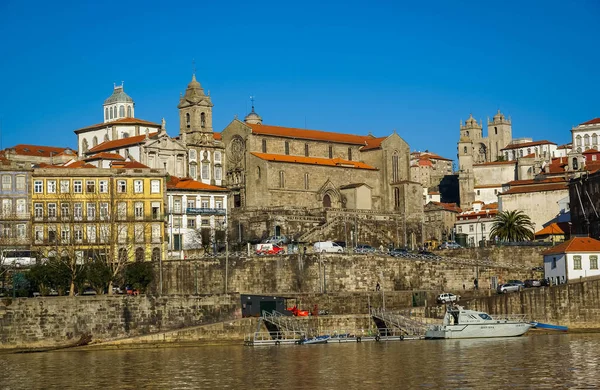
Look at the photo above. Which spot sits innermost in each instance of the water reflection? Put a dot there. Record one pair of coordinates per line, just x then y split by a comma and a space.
540, 361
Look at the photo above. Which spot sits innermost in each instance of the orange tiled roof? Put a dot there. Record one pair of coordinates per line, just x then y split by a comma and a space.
373, 143
425, 163
467, 215
591, 122
489, 186
575, 244
565, 146
537, 188
40, 151
316, 135
332, 162
536, 181
554, 228
187, 183
217, 136
526, 144
122, 121
120, 143
590, 151
127, 164
430, 155
448, 206
490, 206
105, 156
495, 163
76, 164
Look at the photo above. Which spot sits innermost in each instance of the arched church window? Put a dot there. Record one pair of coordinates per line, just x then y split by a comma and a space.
306, 181
465, 150
467, 133
106, 113
258, 172
586, 139
264, 146
578, 140
187, 120
121, 111
281, 179
496, 130
594, 139
129, 112
575, 164
395, 168
202, 120
94, 141
84, 145
396, 197
111, 113
193, 173
327, 201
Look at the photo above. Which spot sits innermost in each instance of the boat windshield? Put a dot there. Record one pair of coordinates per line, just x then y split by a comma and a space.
485, 316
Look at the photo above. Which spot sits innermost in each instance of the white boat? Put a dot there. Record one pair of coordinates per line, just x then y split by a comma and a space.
460, 323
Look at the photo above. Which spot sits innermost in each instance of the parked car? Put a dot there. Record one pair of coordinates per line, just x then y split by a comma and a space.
447, 297
327, 247
88, 291
131, 291
398, 252
117, 290
269, 249
277, 240
519, 282
363, 248
508, 287
450, 245
533, 283
341, 243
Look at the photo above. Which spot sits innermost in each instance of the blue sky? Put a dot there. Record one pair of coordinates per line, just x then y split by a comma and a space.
353, 67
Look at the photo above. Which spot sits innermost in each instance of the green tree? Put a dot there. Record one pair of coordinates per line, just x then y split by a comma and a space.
99, 275
139, 275
512, 226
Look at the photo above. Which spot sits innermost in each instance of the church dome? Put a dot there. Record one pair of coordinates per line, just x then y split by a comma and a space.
118, 96
253, 118
194, 83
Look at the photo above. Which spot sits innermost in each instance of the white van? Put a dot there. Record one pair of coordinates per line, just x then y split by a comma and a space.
327, 247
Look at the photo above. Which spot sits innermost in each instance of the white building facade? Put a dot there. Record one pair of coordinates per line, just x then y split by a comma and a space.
572, 260
585, 136
475, 224
192, 207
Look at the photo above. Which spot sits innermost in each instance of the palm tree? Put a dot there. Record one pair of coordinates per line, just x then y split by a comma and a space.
512, 226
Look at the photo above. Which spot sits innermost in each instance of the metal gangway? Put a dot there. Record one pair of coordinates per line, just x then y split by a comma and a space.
281, 329
396, 320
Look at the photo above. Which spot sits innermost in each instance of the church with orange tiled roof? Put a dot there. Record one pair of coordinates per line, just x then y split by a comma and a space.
277, 166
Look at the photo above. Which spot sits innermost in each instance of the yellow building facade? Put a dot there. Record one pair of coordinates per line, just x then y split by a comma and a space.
115, 214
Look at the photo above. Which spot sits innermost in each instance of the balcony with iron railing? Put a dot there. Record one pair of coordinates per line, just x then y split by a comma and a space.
204, 211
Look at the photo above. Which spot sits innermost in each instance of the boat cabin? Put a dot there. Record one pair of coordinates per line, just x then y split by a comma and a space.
456, 315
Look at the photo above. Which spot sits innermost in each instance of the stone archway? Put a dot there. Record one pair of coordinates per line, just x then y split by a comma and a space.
326, 201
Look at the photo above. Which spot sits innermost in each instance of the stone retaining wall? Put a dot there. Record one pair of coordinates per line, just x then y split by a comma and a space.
347, 273
62, 321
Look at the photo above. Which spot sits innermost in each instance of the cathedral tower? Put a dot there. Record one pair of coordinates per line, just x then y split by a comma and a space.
499, 135
195, 110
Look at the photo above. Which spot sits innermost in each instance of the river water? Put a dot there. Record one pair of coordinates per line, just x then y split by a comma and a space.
531, 362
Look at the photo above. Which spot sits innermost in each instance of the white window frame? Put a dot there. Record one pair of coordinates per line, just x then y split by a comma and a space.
138, 186
51, 186
155, 186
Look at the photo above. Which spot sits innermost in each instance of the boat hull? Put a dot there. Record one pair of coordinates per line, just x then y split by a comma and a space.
470, 331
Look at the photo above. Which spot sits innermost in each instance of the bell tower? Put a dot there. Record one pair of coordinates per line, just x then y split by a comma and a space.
195, 110
499, 135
